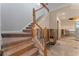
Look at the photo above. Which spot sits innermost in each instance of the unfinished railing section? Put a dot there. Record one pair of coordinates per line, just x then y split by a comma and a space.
38, 33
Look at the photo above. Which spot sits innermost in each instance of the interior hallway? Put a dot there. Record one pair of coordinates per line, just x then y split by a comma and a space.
67, 46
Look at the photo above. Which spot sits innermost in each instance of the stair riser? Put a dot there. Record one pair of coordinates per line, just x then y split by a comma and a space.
27, 31
22, 51
28, 27
16, 35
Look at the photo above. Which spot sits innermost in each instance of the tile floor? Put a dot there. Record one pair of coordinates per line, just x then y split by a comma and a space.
66, 46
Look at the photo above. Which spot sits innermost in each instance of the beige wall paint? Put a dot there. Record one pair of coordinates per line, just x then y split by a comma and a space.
64, 14
44, 22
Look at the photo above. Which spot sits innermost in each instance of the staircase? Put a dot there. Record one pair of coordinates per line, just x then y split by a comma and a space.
23, 43
19, 44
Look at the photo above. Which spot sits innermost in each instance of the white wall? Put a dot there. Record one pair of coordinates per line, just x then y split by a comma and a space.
0, 26
53, 20
44, 22
15, 16
53, 13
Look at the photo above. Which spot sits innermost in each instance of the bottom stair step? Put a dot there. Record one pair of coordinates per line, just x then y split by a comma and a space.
20, 49
16, 45
32, 52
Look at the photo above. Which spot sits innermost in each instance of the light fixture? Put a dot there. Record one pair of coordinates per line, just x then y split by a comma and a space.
75, 18
71, 18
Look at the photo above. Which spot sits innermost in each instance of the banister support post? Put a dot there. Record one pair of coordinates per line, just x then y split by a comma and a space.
45, 37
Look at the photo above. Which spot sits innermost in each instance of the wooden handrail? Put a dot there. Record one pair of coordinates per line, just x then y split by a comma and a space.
38, 9
44, 5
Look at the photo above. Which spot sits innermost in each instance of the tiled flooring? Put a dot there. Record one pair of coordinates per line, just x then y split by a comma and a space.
66, 46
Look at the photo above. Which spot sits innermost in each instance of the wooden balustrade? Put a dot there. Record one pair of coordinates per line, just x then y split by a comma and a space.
45, 33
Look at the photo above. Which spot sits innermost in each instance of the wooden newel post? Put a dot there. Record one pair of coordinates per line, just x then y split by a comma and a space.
33, 24
45, 51
45, 38
34, 16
